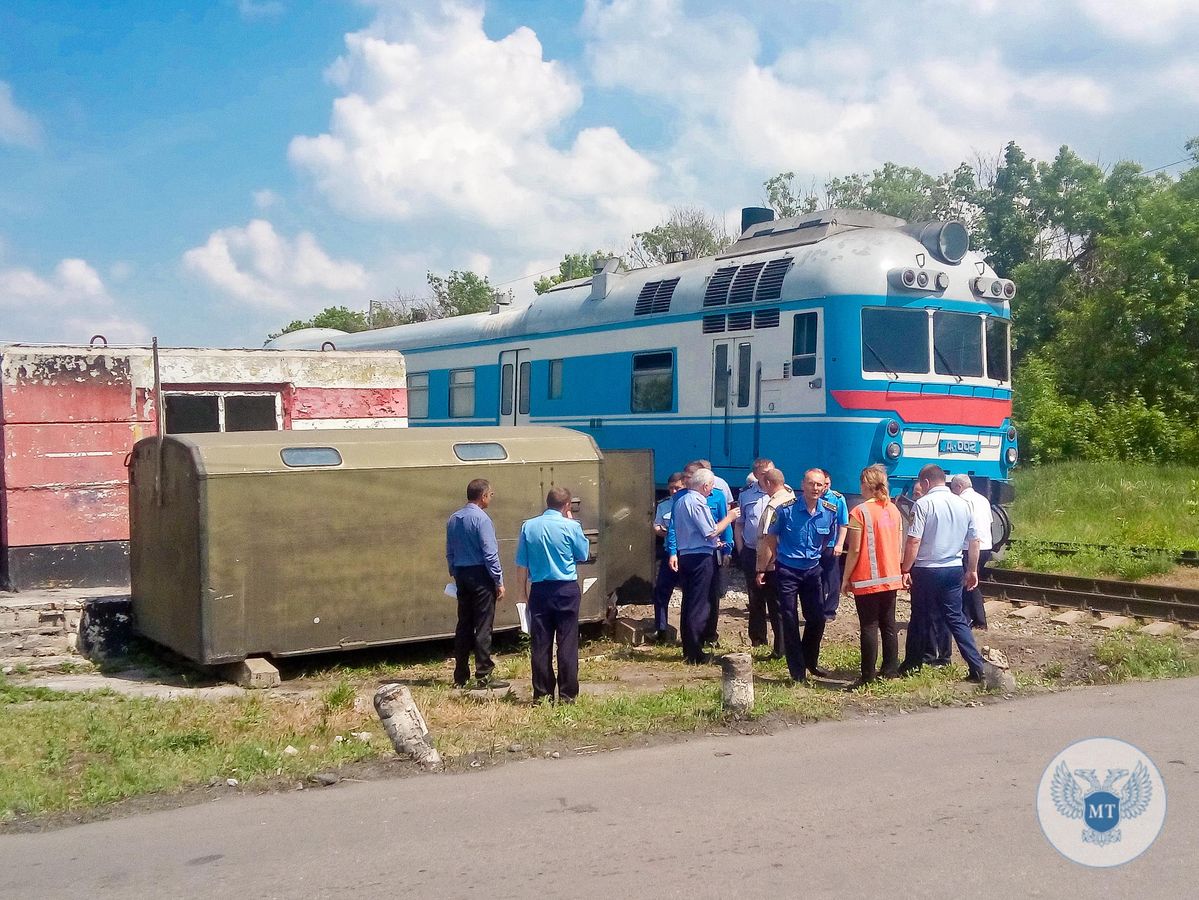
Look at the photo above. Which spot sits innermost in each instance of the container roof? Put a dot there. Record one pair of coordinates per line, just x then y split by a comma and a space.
383, 448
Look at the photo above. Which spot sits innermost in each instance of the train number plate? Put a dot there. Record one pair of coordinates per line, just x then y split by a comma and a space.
950, 445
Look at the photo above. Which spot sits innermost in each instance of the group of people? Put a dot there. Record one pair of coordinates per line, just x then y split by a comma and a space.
800, 552
547, 551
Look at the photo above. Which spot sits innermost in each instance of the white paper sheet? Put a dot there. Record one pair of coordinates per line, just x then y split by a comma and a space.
522, 610
451, 591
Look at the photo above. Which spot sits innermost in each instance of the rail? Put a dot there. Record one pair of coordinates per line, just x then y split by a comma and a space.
1148, 601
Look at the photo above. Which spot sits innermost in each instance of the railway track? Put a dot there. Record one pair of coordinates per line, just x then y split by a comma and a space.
1147, 601
1069, 548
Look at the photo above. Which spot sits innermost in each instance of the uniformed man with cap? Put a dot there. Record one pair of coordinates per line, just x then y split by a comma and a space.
548, 548
793, 536
832, 561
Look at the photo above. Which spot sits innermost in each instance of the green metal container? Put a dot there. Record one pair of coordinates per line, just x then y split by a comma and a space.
290, 542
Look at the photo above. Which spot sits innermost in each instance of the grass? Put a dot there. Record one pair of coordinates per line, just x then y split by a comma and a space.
1117, 562
1128, 655
1119, 503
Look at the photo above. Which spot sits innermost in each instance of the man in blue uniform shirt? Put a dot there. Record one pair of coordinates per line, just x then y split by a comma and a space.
548, 548
833, 558
473, 557
762, 601
664, 584
794, 534
719, 501
693, 543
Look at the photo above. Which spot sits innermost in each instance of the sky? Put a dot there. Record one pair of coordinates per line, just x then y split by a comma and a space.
206, 171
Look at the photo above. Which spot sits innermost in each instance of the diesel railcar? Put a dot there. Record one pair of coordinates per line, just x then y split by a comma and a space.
835, 339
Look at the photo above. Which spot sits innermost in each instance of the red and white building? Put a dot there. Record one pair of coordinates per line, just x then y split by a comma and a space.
69, 415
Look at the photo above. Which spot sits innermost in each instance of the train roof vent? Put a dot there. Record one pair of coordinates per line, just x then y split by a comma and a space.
741, 321
742, 290
717, 293
655, 297
766, 318
770, 285
713, 324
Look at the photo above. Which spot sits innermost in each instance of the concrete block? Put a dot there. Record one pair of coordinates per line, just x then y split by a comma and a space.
996, 607
1162, 629
633, 631
1111, 623
105, 627
1072, 617
1028, 613
1192, 635
254, 672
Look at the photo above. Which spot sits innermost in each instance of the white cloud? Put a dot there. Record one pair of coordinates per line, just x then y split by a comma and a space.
265, 198
437, 120
1155, 22
17, 127
264, 268
253, 10
69, 305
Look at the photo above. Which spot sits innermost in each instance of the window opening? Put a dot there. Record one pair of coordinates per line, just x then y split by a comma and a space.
894, 341
653, 382
803, 344
555, 379
958, 344
506, 374
462, 393
418, 396
720, 376
522, 405
998, 359
743, 375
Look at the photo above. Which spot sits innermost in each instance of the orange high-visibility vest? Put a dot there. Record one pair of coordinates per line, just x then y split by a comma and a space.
877, 566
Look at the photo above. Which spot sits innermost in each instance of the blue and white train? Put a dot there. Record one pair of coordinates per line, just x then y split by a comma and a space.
837, 339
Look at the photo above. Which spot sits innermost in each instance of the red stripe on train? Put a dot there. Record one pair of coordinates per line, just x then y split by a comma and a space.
936, 409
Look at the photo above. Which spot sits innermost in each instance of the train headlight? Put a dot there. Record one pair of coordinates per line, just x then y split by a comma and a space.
893, 428
893, 450
1009, 289
953, 241
1011, 433
1011, 456
996, 288
908, 277
922, 279
942, 281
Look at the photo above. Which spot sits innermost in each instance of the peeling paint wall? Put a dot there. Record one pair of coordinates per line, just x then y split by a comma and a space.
70, 415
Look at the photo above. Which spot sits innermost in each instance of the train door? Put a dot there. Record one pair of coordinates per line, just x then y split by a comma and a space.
515, 386
734, 402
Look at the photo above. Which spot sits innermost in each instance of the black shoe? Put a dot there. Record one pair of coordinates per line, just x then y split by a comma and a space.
888, 674
461, 685
803, 679
662, 637
860, 683
974, 678
490, 684
702, 659
819, 672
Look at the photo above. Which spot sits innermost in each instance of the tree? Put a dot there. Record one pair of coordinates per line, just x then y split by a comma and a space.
338, 317
908, 193
689, 231
787, 199
573, 265
461, 293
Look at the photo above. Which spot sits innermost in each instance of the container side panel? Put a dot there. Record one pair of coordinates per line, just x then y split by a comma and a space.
628, 535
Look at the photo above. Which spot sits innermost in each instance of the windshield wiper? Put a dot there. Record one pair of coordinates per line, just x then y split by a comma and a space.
949, 370
882, 362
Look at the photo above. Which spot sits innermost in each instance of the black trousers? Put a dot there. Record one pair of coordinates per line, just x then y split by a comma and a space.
476, 615
763, 601
876, 615
717, 588
554, 616
664, 586
806, 584
695, 578
972, 601
831, 572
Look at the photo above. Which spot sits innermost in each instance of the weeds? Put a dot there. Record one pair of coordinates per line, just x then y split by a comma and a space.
1128, 654
1087, 563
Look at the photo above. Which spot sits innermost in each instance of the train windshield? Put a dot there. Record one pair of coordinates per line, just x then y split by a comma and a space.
894, 341
998, 361
957, 344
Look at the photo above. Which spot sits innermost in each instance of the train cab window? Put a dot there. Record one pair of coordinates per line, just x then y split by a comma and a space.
720, 376
507, 373
957, 344
998, 360
418, 396
803, 344
744, 356
555, 379
462, 393
522, 401
894, 341
653, 382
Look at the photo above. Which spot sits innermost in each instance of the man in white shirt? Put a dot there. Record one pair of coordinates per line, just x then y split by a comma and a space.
980, 506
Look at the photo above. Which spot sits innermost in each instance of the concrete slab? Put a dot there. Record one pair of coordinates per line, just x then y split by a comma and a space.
1162, 629
996, 607
254, 672
1111, 623
1073, 617
1192, 635
1027, 613
132, 685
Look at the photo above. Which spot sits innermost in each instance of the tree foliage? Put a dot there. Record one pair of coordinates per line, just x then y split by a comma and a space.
339, 317
689, 231
573, 265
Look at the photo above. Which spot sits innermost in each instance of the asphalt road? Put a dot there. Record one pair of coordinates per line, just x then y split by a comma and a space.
937, 804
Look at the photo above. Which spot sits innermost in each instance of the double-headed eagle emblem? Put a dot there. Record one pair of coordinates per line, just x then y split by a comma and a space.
1098, 804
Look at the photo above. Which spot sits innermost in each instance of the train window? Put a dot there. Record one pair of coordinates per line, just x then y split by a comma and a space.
418, 396
479, 451
958, 344
998, 360
653, 382
743, 375
803, 344
462, 393
555, 379
720, 376
302, 457
522, 404
507, 372
894, 341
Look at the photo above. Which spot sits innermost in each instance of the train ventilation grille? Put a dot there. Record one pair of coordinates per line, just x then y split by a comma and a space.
741, 321
766, 318
655, 297
717, 293
770, 285
713, 324
742, 290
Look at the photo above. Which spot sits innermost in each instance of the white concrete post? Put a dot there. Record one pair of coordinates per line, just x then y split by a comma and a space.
404, 724
737, 690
